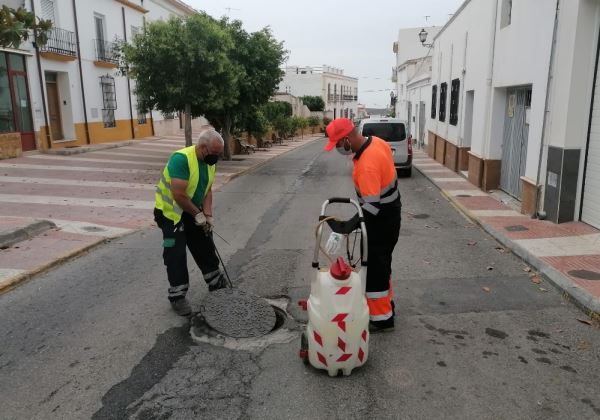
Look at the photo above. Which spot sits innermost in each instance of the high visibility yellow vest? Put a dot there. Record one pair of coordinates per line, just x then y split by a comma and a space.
163, 199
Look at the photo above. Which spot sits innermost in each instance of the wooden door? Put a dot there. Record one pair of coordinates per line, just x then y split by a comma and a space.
54, 111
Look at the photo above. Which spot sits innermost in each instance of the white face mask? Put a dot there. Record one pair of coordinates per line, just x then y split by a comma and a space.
345, 148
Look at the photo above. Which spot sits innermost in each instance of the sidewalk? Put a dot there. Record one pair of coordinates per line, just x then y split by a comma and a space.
56, 206
567, 255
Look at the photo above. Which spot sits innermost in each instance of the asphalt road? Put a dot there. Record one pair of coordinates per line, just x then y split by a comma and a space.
474, 339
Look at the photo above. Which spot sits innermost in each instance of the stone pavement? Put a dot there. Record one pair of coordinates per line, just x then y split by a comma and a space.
567, 254
90, 197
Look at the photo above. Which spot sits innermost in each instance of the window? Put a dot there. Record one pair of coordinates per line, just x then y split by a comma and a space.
443, 92
48, 11
454, 95
99, 27
135, 30
109, 101
329, 92
433, 101
7, 123
506, 16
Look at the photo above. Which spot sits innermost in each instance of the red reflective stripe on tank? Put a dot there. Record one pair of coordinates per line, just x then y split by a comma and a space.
342, 326
341, 344
361, 354
364, 336
322, 358
318, 338
344, 357
339, 318
343, 290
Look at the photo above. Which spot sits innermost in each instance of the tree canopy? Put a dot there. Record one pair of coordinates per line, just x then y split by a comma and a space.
314, 103
17, 25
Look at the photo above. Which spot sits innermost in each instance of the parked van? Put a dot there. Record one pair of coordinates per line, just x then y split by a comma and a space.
393, 131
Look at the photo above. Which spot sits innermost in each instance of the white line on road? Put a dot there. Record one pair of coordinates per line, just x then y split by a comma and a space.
73, 201
111, 161
90, 229
76, 168
136, 155
76, 183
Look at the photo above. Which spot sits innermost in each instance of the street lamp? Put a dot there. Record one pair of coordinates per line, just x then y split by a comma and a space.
423, 37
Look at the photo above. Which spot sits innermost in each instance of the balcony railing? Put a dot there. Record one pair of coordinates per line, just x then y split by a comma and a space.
106, 51
60, 41
349, 98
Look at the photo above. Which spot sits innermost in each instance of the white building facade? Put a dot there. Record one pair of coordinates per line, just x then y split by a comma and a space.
69, 92
511, 103
412, 78
339, 92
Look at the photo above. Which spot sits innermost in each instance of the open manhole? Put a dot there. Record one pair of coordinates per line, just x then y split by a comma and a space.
93, 229
585, 274
238, 314
516, 228
421, 216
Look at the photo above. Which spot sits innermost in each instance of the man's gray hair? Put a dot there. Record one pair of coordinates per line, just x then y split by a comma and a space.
209, 136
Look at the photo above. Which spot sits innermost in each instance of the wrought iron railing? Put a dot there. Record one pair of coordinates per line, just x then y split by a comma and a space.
106, 51
60, 41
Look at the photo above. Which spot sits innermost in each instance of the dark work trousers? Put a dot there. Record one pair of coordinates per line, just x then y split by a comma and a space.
175, 240
383, 231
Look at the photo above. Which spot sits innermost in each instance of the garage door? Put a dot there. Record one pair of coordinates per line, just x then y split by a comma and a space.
590, 212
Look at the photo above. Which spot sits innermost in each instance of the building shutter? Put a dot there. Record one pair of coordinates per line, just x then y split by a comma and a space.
48, 10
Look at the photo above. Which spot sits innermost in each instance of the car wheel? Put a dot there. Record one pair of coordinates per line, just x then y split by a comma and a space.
404, 172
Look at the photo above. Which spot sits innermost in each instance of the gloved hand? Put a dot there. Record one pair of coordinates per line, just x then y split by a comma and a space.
210, 222
200, 219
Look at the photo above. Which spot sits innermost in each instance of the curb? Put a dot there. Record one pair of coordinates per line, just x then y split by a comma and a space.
14, 281
575, 294
11, 237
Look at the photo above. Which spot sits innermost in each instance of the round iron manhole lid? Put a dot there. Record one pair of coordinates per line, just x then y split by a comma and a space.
238, 314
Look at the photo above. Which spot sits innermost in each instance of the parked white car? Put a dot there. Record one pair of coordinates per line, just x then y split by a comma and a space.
392, 130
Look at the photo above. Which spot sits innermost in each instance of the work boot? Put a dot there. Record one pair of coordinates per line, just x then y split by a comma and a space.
381, 326
221, 283
181, 307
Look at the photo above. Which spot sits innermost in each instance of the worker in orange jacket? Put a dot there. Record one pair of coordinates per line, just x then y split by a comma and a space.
376, 184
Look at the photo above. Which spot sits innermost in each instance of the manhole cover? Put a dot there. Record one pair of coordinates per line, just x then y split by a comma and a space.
585, 274
516, 228
93, 229
238, 314
421, 216
464, 195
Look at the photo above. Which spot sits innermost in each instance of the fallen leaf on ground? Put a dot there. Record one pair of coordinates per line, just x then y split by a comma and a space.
535, 279
490, 268
472, 243
527, 269
543, 290
583, 345
501, 249
584, 321
486, 289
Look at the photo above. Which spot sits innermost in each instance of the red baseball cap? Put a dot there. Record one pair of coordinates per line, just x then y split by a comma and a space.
337, 130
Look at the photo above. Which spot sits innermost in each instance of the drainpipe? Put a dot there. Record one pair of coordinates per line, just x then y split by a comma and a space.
488, 105
128, 80
538, 211
39, 68
85, 117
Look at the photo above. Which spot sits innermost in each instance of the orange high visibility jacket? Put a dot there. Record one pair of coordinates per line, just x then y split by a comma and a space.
374, 177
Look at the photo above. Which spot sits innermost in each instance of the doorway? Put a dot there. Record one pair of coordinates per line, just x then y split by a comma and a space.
514, 145
421, 124
54, 115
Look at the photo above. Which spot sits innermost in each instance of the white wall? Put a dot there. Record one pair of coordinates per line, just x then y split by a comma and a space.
465, 43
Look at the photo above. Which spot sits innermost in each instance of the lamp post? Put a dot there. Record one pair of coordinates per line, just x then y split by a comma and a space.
423, 37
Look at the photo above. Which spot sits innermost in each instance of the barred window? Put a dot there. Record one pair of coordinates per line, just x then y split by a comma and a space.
109, 101
433, 101
443, 93
454, 97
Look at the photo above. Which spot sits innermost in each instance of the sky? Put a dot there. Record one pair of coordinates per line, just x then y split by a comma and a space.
355, 35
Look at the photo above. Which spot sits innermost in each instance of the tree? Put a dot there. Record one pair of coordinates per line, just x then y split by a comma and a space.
313, 121
258, 56
257, 125
301, 123
314, 103
182, 64
274, 110
17, 25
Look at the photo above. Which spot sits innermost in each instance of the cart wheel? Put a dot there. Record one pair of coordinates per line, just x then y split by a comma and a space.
304, 348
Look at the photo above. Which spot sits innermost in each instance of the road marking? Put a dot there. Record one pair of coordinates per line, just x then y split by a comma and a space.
76, 168
76, 183
111, 161
90, 229
143, 149
137, 155
563, 246
71, 201
160, 146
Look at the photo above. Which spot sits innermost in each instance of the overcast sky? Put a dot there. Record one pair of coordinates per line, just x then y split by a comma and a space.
354, 35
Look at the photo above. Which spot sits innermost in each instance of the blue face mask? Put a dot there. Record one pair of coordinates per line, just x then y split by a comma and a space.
345, 148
